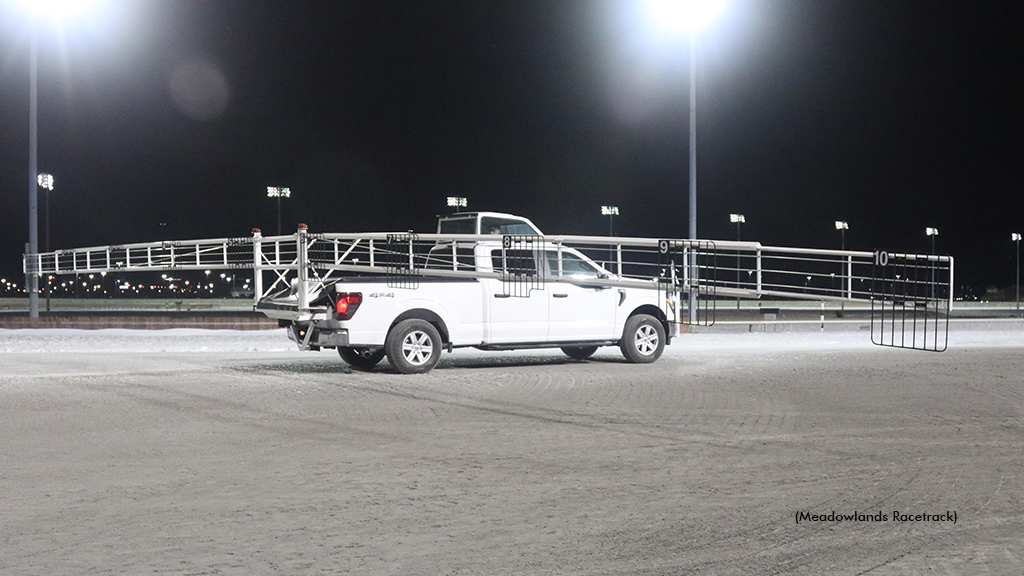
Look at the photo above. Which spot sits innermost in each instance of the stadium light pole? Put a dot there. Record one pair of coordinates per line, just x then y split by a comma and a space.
1016, 239
933, 232
55, 9
842, 226
276, 192
689, 16
457, 202
610, 212
45, 182
31, 279
737, 219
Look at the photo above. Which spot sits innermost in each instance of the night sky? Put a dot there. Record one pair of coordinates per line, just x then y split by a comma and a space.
167, 119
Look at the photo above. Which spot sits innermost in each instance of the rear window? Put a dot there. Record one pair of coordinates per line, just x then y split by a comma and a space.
440, 258
457, 226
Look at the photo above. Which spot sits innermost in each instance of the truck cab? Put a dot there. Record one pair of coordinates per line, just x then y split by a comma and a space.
486, 223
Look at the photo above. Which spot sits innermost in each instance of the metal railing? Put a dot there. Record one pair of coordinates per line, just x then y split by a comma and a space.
897, 284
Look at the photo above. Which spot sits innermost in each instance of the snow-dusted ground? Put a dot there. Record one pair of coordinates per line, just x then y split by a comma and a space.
196, 340
219, 452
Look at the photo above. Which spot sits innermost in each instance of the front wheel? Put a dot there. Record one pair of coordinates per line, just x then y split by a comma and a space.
413, 346
579, 352
361, 358
643, 339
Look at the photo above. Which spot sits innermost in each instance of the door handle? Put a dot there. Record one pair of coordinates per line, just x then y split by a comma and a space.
560, 295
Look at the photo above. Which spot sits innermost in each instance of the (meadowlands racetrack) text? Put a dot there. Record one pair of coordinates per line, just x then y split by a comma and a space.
855, 516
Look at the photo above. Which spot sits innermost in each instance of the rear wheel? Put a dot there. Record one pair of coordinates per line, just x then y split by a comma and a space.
413, 346
361, 358
643, 339
579, 352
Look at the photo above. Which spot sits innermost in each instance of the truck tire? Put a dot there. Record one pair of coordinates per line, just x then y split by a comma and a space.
579, 352
361, 358
413, 346
643, 339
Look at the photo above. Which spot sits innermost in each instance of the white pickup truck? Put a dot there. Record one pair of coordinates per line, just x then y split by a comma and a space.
501, 297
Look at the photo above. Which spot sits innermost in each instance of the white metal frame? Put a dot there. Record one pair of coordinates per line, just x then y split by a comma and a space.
771, 271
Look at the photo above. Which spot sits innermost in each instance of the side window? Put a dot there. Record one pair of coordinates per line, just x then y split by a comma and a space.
515, 262
572, 265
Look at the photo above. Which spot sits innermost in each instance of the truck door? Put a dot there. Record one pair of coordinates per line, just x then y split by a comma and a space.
578, 310
514, 318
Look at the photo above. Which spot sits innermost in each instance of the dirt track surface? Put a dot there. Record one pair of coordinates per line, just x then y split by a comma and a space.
281, 463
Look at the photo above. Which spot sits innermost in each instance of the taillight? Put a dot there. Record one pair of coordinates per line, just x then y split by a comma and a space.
347, 304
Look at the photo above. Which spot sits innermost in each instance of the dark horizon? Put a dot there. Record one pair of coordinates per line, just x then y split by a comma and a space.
168, 120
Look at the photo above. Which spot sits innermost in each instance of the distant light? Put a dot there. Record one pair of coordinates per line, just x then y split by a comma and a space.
840, 225
609, 210
1015, 237
275, 192
931, 231
677, 16
737, 218
45, 181
457, 202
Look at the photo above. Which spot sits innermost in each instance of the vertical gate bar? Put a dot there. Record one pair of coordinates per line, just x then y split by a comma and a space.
618, 258
849, 276
257, 265
758, 256
300, 245
372, 262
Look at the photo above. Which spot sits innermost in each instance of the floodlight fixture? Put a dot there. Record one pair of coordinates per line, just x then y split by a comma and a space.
737, 218
676, 16
1015, 237
931, 231
841, 225
609, 210
58, 9
457, 202
45, 181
